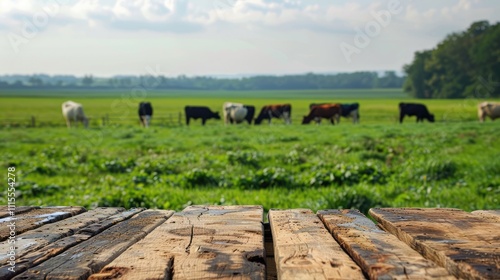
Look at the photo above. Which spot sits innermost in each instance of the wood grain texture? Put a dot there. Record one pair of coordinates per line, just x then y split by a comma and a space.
304, 249
36, 218
380, 254
4, 210
50, 240
467, 245
490, 215
90, 256
216, 242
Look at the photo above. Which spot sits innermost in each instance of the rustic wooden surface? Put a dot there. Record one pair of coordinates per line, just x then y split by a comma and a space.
380, 254
232, 242
80, 261
197, 243
467, 245
491, 215
33, 218
4, 210
304, 249
49, 240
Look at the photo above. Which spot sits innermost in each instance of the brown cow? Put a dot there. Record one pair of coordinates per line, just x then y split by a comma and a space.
275, 111
326, 111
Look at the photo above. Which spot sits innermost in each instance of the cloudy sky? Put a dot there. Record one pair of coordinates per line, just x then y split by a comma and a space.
225, 37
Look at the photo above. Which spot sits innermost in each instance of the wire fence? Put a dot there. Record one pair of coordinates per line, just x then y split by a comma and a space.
168, 120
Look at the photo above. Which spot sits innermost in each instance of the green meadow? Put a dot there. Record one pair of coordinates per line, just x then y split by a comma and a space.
454, 162
378, 106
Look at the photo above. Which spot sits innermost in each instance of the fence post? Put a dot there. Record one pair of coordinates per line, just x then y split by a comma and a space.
33, 121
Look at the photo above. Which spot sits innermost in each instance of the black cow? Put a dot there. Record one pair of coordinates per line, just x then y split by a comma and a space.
145, 113
250, 114
414, 109
275, 111
200, 112
348, 110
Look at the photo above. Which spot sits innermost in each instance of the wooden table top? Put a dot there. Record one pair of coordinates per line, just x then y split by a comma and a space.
233, 242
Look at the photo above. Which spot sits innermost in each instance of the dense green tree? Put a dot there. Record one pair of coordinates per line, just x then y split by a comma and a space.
465, 64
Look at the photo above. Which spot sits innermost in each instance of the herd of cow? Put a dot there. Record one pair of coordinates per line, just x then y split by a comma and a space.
235, 113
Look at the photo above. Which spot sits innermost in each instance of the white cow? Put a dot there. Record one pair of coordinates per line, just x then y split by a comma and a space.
234, 112
73, 112
488, 109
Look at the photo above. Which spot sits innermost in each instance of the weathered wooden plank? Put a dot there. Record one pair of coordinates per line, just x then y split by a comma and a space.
381, 255
36, 218
490, 215
465, 244
89, 256
5, 210
304, 249
37, 238
215, 242
41, 244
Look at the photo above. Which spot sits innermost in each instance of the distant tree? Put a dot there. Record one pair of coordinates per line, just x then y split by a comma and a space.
125, 82
87, 80
18, 84
35, 81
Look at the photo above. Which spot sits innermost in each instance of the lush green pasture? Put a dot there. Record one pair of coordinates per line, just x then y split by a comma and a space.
439, 165
377, 106
454, 162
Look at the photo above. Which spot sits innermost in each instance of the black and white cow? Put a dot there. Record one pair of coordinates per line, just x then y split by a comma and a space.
234, 112
275, 111
145, 113
237, 112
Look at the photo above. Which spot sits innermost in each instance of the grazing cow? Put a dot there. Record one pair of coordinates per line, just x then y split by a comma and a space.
325, 111
73, 112
414, 109
488, 109
145, 113
275, 111
351, 111
200, 112
234, 112
348, 110
250, 113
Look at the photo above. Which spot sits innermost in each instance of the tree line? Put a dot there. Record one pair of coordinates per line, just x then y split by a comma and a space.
463, 65
356, 80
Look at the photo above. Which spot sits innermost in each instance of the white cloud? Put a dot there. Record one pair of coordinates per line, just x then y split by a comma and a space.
294, 35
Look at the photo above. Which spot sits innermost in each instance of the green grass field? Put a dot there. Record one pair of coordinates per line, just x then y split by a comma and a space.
377, 106
454, 162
